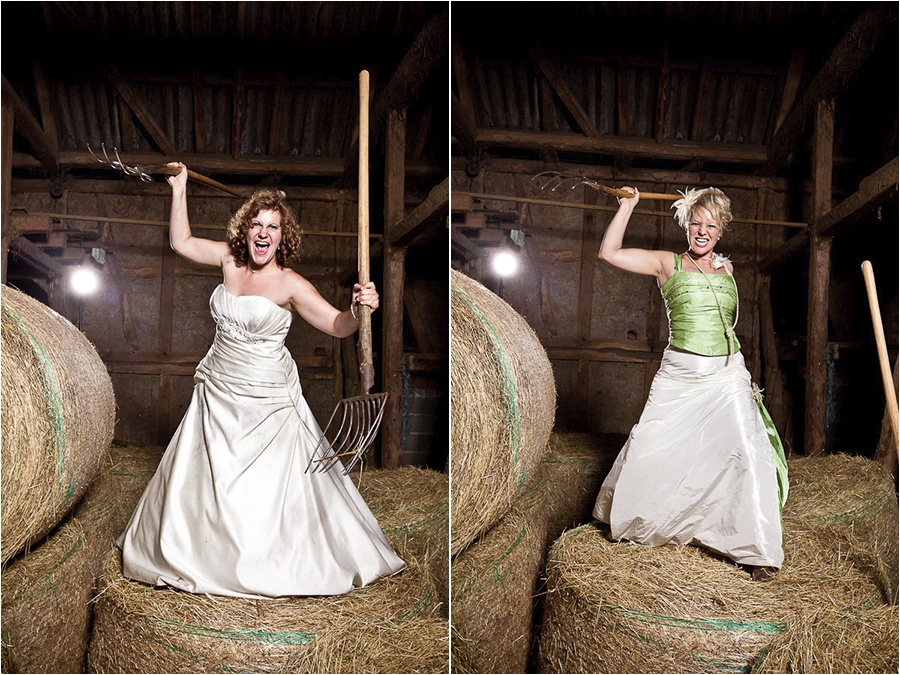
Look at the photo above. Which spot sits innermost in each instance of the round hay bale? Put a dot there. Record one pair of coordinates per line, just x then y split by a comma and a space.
624, 608
46, 605
411, 505
503, 408
575, 466
58, 418
493, 590
97, 512
832, 640
852, 492
387, 627
131, 468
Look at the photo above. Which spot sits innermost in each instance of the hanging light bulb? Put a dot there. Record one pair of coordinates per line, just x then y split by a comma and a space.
505, 263
84, 281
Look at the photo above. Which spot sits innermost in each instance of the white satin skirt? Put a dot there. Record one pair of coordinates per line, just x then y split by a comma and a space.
698, 467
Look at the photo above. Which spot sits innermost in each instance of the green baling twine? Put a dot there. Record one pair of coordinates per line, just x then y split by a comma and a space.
504, 367
52, 396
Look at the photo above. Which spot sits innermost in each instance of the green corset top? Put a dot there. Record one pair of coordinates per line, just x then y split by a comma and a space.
695, 324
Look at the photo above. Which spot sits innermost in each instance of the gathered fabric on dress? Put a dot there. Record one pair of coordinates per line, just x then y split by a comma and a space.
231, 509
704, 464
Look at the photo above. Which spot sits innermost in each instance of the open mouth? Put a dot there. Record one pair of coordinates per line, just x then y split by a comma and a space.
702, 241
261, 247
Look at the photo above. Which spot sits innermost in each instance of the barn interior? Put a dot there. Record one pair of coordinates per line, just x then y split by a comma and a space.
666, 96
791, 110
247, 95
96, 100
489, 131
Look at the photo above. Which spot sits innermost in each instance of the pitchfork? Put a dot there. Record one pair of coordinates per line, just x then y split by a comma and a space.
557, 180
165, 169
360, 416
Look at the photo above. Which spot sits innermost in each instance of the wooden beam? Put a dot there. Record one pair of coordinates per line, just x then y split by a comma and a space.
790, 87
462, 110
417, 65
394, 273
254, 165
558, 82
237, 115
141, 111
6, 228
34, 134
32, 253
835, 76
819, 279
45, 105
700, 100
662, 95
609, 209
416, 221
199, 109
873, 190
619, 145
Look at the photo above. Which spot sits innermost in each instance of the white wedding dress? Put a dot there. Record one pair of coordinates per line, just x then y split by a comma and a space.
231, 509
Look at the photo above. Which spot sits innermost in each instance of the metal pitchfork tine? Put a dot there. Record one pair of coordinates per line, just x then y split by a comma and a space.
117, 163
360, 418
561, 179
165, 169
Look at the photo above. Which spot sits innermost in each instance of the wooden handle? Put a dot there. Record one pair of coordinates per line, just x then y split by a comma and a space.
617, 192
172, 170
366, 369
886, 376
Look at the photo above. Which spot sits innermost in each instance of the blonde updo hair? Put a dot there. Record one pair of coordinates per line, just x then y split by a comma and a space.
265, 199
713, 199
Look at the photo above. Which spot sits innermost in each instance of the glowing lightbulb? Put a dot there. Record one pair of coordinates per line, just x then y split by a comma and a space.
84, 281
506, 263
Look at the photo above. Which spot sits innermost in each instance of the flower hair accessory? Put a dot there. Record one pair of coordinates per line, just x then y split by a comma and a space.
685, 206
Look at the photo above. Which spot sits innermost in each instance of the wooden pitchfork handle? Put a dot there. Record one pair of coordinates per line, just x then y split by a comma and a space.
886, 376
617, 192
366, 369
170, 169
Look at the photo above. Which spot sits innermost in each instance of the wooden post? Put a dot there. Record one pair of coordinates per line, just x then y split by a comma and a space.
5, 225
392, 301
589, 247
772, 369
886, 451
819, 276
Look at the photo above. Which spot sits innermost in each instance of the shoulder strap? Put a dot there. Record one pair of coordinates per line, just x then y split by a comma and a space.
677, 262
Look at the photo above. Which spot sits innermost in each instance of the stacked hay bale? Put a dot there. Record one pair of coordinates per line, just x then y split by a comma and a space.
58, 418
679, 609
387, 627
412, 507
620, 607
503, 409
827, 639
574, 467
141, 629
494, 585
851, 492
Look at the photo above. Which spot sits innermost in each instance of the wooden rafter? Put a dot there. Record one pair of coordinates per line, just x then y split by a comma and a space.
835, 75
557, 81
32, 131
140, 110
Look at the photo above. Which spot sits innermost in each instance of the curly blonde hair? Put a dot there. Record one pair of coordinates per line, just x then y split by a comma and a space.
265, 200
713, 199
